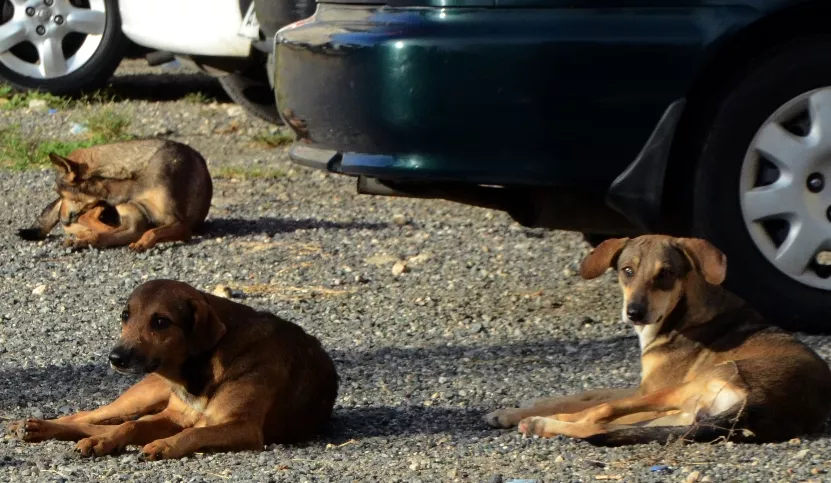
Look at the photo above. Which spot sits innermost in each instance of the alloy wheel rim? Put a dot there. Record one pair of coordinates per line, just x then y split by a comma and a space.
42, 26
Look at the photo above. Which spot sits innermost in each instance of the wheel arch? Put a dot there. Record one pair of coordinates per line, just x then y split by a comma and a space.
724, 68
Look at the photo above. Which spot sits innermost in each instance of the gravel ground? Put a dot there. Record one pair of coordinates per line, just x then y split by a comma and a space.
487, 314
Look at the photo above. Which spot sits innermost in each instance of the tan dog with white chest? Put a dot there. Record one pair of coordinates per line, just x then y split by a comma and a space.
710, 365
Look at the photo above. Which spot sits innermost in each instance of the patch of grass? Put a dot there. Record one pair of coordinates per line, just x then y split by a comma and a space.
106, 126
196, 97
106, 95
274, 139
19, 153
248, 172
11, 99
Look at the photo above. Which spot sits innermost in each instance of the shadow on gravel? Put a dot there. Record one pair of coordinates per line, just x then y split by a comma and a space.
51, 388
519, 356
381, 421
166, 87
271, 226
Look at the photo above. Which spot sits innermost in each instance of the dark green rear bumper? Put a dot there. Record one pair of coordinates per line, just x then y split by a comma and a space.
546, 97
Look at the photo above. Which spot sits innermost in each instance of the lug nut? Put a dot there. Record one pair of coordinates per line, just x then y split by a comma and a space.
48, 2
30, 11
40, 30
58, 19
816, 182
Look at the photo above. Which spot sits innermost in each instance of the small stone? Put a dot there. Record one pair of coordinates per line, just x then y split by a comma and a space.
235, 111
419, 259
453, 473
399, 219
815, 471
495, 479
39, 290
38, 105
476, 328
795, 441
706, 479
399, 268
801, 455
382, 259
693, 477
559, 459
414, 466
223, 291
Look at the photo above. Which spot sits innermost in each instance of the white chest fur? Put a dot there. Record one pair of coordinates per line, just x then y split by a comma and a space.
196, 403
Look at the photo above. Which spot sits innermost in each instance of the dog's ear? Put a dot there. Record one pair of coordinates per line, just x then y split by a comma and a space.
706, 258
70, 169
206, 329
602, 258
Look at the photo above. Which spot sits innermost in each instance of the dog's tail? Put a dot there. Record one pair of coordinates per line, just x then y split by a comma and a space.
705, 429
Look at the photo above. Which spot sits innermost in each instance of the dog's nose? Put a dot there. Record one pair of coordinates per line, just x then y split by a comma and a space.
636, 312
120, 357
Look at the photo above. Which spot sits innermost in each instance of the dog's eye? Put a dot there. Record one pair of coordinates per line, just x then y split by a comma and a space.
160, 323
627, 271
663, 274
125, 315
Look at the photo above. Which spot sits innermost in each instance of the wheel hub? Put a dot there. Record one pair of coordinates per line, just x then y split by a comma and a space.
785, 199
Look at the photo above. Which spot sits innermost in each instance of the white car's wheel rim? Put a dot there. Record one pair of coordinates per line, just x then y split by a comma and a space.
786, 188
45, 24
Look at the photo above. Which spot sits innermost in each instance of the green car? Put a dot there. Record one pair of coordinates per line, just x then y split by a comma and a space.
707, 118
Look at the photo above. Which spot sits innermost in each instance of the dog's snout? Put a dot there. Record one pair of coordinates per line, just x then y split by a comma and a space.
120, 357
636, 312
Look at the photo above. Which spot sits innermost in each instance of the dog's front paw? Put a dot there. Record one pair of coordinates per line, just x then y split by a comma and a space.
138, 247
80, 241
159, 450
533, 426
503, 418
32, 430
99, 446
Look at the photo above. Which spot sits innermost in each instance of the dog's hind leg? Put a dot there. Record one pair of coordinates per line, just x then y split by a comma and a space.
221, 427
176, 231
509, 417
140, 432
133, 223
49, 217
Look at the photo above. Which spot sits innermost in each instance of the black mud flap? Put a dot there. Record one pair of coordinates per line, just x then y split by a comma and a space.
636, 193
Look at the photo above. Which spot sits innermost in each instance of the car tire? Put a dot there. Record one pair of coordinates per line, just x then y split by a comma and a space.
94, 69
276, 14
251, 90
720, 205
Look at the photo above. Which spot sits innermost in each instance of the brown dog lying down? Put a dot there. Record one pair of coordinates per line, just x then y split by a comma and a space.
710, 366
159, 190
221, 376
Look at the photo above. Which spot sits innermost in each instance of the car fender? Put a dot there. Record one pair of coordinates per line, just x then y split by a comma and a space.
188, 27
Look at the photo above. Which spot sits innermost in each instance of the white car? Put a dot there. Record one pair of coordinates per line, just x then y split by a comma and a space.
69, 46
